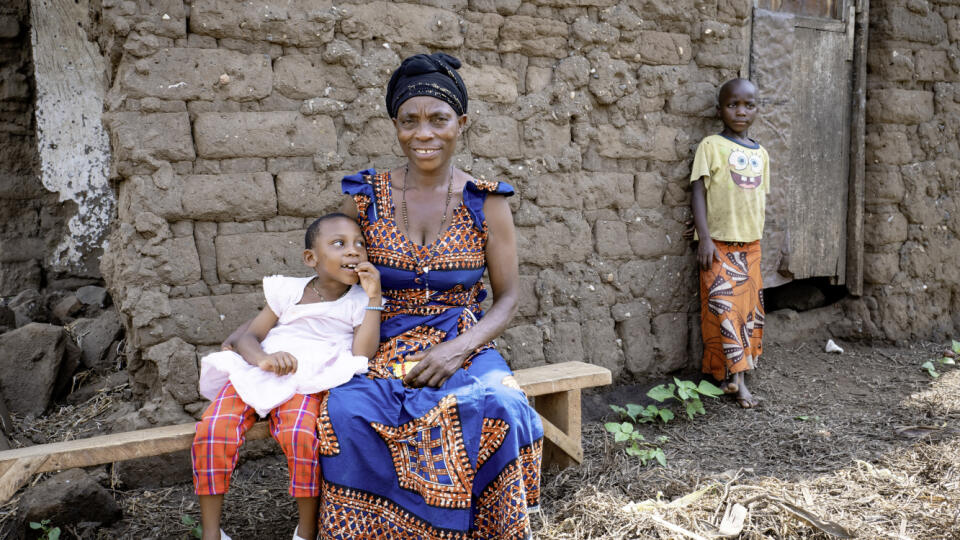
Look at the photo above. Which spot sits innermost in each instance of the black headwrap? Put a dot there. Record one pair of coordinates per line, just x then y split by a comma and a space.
433, 75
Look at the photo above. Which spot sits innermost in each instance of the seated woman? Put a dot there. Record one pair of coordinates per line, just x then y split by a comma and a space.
438, 440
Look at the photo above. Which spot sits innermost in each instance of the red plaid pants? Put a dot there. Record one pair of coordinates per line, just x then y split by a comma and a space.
222, 429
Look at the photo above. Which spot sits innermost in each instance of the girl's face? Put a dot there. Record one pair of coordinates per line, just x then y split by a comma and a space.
428, 129
337, 249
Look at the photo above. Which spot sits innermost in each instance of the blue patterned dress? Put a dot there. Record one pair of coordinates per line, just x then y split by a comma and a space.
459, 461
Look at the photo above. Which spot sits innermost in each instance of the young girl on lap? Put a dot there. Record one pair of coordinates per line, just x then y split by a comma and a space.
315, 333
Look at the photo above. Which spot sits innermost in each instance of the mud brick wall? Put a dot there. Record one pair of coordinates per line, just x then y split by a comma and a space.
232, 123
912, 186
22, 199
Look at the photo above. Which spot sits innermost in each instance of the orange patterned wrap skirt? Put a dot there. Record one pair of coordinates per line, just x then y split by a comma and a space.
731, 309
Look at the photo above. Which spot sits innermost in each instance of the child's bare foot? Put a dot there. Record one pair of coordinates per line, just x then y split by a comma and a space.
744, 397
729, 385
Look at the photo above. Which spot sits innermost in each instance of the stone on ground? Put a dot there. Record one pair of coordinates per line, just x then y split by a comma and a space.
95, 337
30, 359
70, 497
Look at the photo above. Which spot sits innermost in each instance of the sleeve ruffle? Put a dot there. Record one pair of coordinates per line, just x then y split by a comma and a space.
362, 184
475, 193
276, 293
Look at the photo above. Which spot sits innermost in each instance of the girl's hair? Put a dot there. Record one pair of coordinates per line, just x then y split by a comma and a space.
314, 229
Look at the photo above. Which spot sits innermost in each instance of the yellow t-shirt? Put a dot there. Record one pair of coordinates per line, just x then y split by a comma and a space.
736, 184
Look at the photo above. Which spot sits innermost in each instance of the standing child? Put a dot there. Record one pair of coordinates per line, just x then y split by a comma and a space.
315, 333
731, 178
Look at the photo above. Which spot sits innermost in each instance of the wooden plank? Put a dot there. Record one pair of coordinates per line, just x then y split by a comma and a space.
563, 411
818, 196
553, 378
563, 441
18, 474
115, 447
858, 105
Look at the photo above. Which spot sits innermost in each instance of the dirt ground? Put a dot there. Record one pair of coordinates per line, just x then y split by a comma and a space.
823, 449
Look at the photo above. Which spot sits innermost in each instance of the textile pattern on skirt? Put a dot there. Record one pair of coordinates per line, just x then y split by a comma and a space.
731, 309
459, 461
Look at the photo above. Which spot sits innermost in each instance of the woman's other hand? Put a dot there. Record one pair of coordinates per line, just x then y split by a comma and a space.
435, 366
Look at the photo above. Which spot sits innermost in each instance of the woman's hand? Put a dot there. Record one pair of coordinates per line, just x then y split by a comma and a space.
280, 363
435, 366
706, 253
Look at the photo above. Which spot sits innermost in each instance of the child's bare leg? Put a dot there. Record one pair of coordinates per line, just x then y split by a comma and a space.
307, 508
744, 397
210, 508
729, 385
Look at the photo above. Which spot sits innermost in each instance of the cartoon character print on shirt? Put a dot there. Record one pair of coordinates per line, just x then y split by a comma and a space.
746, 167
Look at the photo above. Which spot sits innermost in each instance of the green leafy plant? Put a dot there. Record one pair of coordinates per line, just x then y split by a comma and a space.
195, 529
686, 392
930, 368
642, 415
638, 445
49, 533
947, 359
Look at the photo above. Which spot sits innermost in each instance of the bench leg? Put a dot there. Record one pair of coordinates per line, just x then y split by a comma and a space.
561, 427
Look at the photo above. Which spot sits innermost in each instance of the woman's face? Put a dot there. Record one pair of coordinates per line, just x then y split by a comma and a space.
428, 129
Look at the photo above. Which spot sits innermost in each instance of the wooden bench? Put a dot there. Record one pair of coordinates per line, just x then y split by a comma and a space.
554, 389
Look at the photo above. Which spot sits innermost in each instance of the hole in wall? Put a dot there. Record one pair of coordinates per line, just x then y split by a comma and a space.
803, 294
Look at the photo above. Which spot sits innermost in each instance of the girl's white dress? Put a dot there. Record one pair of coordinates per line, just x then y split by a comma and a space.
319, 335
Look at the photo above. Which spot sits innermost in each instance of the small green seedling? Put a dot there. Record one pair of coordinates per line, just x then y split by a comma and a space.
947, 359
49, 533
196, 530
639, 447
686, 392
642, 415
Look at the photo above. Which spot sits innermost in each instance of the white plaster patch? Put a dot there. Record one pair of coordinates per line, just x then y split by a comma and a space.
72, 143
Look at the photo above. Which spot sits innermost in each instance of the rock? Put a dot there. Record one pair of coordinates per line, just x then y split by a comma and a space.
91, 295
67, 498
14, 275
522, 346
66, 308
896, 106
263, 134
230, 197
308, 194
68, 368
8, 319
246, 258
176, 365
94, 337
137, 136
197, 74
156, 471
30, 359
9, 27
27, 307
